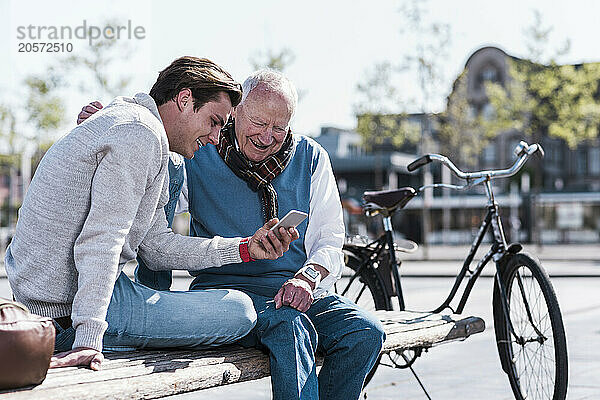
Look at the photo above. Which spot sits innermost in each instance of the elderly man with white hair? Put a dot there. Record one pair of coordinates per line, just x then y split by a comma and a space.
260, 170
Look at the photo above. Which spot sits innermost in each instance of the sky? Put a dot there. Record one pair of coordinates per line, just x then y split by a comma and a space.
334, 43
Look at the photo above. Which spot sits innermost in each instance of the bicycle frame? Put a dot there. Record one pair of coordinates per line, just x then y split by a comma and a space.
497, 251
385, 243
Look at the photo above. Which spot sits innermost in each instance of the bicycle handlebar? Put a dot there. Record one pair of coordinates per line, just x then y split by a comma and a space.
523, 152
419, 162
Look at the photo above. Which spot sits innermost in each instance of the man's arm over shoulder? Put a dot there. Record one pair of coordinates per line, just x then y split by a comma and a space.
129, 157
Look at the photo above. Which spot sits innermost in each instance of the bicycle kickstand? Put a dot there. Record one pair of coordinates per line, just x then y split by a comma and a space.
416, 376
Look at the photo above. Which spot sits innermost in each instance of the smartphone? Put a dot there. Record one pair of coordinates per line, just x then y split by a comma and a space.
291, 219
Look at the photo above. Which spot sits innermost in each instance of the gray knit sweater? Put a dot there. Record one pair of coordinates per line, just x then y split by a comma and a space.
96, 200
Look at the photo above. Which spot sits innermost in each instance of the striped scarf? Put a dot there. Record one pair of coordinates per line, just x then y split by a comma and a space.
258, 175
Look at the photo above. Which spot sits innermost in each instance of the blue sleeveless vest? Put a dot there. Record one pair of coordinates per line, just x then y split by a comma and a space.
221, 204
161, 280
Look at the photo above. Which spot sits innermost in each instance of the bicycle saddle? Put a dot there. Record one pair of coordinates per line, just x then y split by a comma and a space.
390, 199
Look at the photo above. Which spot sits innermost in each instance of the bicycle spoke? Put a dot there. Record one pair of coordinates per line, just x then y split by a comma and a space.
533, 352
526, 302
360, 293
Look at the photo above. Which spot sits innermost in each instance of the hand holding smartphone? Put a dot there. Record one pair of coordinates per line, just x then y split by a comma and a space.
291, 220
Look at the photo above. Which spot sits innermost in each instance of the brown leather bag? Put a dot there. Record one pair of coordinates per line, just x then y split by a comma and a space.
26, 345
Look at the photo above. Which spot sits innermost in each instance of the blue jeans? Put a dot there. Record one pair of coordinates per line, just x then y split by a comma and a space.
140, 317
349, 338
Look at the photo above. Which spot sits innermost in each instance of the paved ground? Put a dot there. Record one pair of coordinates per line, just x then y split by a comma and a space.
470, 369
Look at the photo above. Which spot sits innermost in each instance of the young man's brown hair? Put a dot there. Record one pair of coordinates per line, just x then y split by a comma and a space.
203, 77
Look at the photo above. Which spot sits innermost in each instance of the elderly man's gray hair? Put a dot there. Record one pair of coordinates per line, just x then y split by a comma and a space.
276, 81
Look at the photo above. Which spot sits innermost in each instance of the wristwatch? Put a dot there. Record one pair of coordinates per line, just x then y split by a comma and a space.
310, 273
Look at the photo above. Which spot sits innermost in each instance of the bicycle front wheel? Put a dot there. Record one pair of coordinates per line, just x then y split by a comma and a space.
534, 356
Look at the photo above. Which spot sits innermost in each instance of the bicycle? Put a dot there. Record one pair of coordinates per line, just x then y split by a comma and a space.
528, 325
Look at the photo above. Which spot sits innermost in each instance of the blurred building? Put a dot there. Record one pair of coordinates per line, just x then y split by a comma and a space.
357, 170
565, 208
13, 184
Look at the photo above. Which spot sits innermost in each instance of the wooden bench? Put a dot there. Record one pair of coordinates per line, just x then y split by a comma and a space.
155, 374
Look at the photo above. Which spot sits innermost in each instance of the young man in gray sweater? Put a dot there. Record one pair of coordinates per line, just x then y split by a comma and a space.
97, 200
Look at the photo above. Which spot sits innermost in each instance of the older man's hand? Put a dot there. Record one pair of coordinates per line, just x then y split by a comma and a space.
88, 111
296, 293
264, 244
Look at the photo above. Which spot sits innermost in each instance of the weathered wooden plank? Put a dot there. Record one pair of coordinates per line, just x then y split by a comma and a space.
158, 378
131, 364
155, 374
405, 330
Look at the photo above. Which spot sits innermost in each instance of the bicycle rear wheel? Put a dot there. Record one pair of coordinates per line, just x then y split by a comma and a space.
366, 289
535, 357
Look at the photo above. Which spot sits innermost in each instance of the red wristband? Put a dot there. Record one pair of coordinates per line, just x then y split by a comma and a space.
244, 253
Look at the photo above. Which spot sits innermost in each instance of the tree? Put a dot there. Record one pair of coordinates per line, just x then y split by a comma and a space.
545, 98
44, 112
428, 55
561, 101
278, 60
45, 109
460, 128
8, 131
28, 128
577, 104
9, 162
379, 110
379, 94
96, 63
425, 55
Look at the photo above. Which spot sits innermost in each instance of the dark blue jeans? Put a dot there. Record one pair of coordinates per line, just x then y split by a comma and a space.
349, 338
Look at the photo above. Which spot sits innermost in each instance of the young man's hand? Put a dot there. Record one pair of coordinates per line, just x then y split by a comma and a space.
264, 244
88, 111
79, 356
